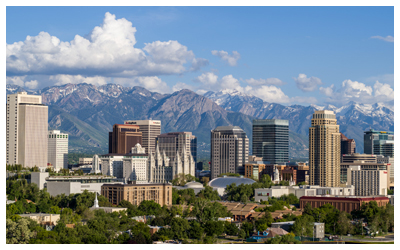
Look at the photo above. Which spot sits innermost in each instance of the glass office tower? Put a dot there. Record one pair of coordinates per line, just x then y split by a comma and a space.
271, 140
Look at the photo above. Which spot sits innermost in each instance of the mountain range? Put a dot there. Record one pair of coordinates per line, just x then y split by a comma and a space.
87, 112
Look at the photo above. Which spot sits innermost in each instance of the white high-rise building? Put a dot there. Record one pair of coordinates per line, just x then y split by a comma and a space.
26, 132
135, 165
367, 182
58, 149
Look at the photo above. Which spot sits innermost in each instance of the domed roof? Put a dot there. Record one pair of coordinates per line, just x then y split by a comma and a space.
222, 182
193, 184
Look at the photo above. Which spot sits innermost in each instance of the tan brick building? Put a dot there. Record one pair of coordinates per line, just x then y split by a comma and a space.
136, 193
324, 153
342, 203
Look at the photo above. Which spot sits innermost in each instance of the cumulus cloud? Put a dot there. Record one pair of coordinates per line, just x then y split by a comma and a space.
268, 93
208, 78
230, 59
180, 85
307, 84
108, 52
268, 81
22, 81
386, 39
151, 83
198, 63
359, 92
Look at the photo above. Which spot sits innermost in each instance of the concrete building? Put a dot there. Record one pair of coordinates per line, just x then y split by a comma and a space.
379, 143
26, 130
136, 193
389, 161
150, 130
347, 146
176, 146
229, 150
271, 140
346, 204
39, 178
367, 182
112, 165
366, 162
76, 184
123, 138
43, 219
303, 190
85, 161
57, 152
135, 165
319, 230
324, 149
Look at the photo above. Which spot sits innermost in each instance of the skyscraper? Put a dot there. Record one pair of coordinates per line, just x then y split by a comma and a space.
271, 140
150, 130
324, 149
123, 138
379, 143
27, 121
58, 149
347, 146
229, 150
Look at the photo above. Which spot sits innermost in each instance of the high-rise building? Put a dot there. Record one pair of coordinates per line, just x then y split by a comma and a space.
229, 150
150, 130
271, 140
324, 149
135, 165
175, 142
347, 146
27, 121
123, 138
379, 143
58, 149
367, 182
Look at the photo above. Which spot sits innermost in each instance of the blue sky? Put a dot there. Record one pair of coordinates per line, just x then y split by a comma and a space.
287, 55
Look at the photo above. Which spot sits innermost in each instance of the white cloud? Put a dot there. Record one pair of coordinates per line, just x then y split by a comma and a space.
328, 91
208, 78
268, 94
229, 82
180, 85
108, 51
307, 84
230, 59
22, 81
198, 63
75, 79
386, 39
383, 90
268, 81
358, 92
151, 83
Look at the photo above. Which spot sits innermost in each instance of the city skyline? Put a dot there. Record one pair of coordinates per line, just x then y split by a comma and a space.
287, 55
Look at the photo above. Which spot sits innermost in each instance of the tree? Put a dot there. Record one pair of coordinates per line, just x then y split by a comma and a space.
179, 226
284, 239
248, 228
231, 229
196, 231
209, 193
264, 222
214, 228
303, 226
343, 226
55, 210
242, 234
18, 232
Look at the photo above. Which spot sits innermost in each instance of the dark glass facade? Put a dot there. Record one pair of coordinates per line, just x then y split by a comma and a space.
379, 143
271, 140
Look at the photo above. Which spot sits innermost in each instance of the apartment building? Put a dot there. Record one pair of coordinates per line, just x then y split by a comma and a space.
367, 182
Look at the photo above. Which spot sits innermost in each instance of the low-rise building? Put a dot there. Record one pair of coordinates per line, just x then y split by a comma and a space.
160, 193
299, 191
346, 204
286, 225
76, 184
43, 219
319, 230
39, 178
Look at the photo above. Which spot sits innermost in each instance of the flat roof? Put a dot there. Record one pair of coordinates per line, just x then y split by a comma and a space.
133, 185
353, 198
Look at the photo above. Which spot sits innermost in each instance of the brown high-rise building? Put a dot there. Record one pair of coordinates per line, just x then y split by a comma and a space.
324, 153
150, 130
347, 146
123, 138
